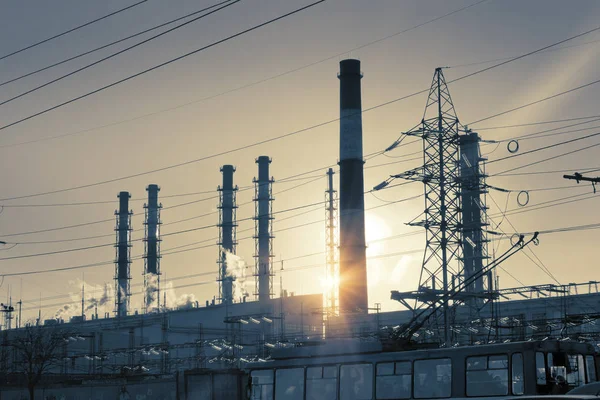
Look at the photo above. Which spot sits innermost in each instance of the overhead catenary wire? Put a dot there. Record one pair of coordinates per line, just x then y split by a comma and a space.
272, 139
71, 30
536, 123
141, 239
262, 80
109, 44
72, 100
284, 180
90, 65
537, 101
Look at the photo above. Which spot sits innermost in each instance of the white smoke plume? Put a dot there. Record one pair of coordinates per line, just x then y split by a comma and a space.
236, 269
187, 300
151, 293
93, 301
95, 296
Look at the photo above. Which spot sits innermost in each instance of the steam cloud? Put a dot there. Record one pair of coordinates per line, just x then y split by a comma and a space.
236, 269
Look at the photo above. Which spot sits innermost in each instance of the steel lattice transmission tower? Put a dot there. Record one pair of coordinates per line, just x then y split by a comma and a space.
332, 272
440, 172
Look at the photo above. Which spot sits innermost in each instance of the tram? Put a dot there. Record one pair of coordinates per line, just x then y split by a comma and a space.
354, 370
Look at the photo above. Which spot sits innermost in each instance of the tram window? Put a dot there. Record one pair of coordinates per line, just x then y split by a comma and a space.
517, 374
433, 378
289, 384
487, 376
575, 370
356, 382
262, 385
540, 368
393, 380
590, 369
321, 383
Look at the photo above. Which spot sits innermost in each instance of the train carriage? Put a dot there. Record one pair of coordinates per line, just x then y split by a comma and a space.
352, 370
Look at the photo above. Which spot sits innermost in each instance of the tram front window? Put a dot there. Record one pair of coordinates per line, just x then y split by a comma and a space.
590, 369
261, 385
356, 382
289, 384
433, 378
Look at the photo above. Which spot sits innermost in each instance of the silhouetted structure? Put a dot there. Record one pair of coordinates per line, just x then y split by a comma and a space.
123, 257
227, 233
353, 296
263, 230
152, 250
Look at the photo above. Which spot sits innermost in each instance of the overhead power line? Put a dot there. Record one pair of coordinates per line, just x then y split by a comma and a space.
273, 139
259, 81
71, 30
544, 148
117, 53
536, 123
109, 44
537, 101
159, 66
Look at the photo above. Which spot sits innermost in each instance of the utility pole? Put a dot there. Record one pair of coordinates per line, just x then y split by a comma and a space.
579, 178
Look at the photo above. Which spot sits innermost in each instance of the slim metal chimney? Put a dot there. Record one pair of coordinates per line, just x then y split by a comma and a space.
227, 233
263, 230
123, 257
353, 295
152, 254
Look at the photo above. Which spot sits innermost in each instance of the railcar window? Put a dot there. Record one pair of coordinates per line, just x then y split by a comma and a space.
540, 368
289, 384
487, 376
321, 383
590, 369
575, 371
262, 385
393, 380
433, 378
356, 382
517, 374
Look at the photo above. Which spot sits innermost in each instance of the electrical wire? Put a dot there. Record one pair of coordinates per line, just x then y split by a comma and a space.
537, 101
537, 123
276, 138
109, 45
259, 81
71, 30
508, 58
158, 66
547, 159
126, 49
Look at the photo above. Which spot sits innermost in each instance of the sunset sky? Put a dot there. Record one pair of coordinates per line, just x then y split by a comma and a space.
272, 81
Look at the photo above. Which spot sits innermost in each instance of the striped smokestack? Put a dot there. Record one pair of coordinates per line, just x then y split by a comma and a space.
353, 262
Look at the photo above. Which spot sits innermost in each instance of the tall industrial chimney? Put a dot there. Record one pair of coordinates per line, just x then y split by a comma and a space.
353, 295
123, 257
227, 233
263, 230
152, 254
473, 190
